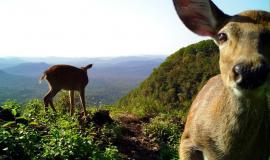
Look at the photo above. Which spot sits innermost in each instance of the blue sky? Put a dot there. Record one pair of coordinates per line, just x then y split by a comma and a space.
98, 28
236, 6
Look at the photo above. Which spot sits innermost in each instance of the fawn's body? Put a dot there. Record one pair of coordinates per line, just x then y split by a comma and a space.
229, 119
68, 78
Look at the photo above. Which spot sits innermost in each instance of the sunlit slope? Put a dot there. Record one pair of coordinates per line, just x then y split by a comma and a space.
177, 80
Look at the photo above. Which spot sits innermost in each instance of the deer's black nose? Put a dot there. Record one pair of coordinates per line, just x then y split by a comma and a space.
248, 77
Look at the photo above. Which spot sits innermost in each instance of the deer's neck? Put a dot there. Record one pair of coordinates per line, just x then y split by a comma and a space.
242, 117
247, 107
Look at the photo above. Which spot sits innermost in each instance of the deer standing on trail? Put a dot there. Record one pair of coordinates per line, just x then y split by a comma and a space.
68, 78
229, 119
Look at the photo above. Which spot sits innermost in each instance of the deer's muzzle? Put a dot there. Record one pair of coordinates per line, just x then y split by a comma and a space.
248, 77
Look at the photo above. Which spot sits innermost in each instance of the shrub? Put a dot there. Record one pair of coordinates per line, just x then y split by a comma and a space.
52, 136
19, 142
13, 106
165, 129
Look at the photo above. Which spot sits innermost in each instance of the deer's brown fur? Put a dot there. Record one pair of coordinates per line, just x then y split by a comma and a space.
229, 119
69, 78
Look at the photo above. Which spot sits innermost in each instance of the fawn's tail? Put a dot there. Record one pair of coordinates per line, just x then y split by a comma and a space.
88, 66
42, 78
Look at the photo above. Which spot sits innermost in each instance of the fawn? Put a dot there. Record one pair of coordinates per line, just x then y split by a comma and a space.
68, 78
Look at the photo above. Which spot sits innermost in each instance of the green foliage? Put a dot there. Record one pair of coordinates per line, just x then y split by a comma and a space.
144, 106
109, 134
62, 100
67, 144
13, 106
33, 109
111, 153
175, 83
167, 152
165, 130
53, 136
20, 142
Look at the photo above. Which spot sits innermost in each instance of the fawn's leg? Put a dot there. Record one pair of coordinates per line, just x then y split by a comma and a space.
71, 99
48, 99
82, 96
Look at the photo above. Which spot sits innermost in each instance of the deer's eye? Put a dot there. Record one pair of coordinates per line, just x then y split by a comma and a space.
222, 37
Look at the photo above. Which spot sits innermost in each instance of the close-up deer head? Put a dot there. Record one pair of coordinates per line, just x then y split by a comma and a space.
242, 40
216, 126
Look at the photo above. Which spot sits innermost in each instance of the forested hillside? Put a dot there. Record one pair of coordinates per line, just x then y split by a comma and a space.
20, 88
177, 80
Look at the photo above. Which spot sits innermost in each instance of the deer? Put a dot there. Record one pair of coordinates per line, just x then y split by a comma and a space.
229, 117
69, 78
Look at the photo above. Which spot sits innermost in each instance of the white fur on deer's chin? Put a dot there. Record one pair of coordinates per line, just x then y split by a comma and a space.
263, 90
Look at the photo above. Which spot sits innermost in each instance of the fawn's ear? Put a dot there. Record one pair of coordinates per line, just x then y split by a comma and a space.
202, 17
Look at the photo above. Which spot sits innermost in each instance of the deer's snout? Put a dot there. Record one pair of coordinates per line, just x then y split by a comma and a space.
249, 77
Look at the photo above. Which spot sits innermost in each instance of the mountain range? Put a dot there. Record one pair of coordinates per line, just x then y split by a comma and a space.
110, 78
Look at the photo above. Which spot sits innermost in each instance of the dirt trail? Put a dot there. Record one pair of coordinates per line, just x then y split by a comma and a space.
134, 145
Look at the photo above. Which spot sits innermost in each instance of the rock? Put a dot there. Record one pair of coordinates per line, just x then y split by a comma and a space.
22, 120
102, 117
6, 115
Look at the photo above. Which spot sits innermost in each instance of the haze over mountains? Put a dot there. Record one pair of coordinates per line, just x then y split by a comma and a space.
110, 78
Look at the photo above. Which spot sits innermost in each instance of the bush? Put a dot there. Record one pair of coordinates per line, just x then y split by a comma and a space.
165, 130
144, 106
13, 106
109, 134
52, 136
67, 144
19, 142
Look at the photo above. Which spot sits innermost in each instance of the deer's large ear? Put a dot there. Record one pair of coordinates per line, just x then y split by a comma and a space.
200, 16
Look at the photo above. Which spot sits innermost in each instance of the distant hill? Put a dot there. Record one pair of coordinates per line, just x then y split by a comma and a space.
177, 80
131, 69
11, 80
10, 61
104, 68
108, 83
28, 69
19, 87
101, 62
